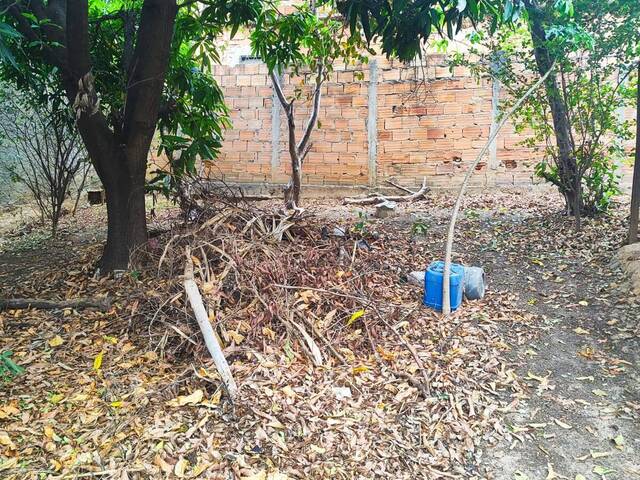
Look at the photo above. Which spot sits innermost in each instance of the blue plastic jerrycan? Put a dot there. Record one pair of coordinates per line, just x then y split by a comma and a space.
433, 285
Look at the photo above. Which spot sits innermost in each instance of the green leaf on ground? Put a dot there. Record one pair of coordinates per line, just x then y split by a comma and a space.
602, 471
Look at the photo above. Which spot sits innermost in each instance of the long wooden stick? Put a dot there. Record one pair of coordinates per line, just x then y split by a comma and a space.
21, 303
446, 301
400, 187
193, 293
374, 199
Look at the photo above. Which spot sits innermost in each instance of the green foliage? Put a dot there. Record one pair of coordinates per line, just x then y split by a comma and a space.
193, 115
598, 137
403, 26
361, 225
8, 368
419, 227
594, 45
7, 32
191, 124
471, 214
600, 183
303, 40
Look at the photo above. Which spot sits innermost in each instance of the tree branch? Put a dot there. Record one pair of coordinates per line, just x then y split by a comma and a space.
314, 112
22, 303
377, 199
77, 36
148, 68
53, 56
278, 88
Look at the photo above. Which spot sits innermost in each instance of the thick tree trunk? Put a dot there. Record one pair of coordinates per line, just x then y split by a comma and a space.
635, 189
570, 181
126, 220
120, 157
122, 173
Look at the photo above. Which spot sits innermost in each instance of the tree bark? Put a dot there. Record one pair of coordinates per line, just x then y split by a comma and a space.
293, 188
127, 224
119, 155
126, 217
298, 151
635, 188
570, 180
102, 304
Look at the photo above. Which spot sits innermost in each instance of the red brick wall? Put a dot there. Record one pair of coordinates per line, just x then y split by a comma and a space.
434, 126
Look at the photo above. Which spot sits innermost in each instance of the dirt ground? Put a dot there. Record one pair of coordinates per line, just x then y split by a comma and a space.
580, 415
540, 380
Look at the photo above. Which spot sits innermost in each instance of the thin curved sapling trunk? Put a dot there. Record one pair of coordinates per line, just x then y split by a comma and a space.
635, 188
446, 299
298, 150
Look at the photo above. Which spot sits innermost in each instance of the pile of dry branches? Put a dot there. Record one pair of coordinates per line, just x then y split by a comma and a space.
261, 273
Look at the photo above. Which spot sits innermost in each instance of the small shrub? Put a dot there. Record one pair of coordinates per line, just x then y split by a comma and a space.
472, 214
47, 149
419, 227
8, 369
361, 226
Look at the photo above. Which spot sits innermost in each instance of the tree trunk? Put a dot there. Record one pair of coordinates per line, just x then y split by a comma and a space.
635, 188
120, 157
126, 223
570, 181
296, 179
293, 188
298, 151
126, 214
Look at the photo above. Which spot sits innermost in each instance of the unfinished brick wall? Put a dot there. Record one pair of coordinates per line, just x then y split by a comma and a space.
397, 122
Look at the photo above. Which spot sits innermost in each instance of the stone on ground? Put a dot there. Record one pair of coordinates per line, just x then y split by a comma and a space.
386, 209
629, 257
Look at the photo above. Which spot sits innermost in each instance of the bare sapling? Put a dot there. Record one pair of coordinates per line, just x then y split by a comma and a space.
446, 299
298, 150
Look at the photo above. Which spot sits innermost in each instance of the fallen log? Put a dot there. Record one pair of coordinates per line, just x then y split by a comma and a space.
102, 304
195, 299
377, 199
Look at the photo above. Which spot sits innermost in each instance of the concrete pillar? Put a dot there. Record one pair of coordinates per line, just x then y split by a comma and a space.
275, 133
620, 111
495, 119
372, 122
